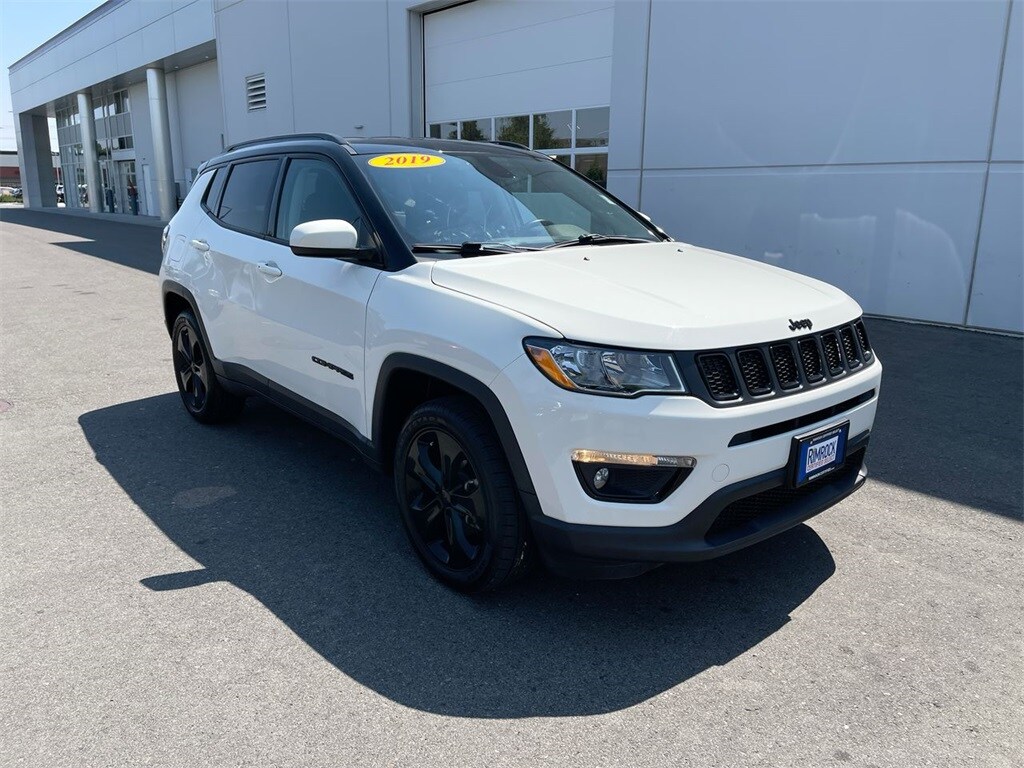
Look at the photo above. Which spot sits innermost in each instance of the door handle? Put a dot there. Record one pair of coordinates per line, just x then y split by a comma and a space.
200, 245
269, 268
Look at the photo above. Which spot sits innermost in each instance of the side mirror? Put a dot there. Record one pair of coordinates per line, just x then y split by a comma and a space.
328, 239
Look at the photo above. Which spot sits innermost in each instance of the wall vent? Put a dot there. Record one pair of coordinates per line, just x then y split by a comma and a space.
256, 92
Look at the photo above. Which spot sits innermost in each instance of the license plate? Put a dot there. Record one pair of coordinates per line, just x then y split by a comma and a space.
819, 453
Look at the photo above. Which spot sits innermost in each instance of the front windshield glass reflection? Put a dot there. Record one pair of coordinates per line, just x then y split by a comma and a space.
494, 197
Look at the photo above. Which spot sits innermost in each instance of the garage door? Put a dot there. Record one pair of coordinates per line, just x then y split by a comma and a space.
537, 73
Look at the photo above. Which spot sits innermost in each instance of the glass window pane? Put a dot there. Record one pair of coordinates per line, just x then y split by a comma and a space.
592, 127
213, 191
434, 131
594, 167
565, 160
476, 130
515, 129
552, 130
491, 194
449, 130
246, 197
313, 191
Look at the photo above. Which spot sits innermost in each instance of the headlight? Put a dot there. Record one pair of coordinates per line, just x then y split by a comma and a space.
163, 240
602, 371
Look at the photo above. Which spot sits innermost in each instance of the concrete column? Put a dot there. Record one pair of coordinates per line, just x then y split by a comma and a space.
92, 160
166, 192
36, 161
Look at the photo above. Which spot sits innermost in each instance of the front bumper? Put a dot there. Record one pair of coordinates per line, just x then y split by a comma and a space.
737, 516
741, 452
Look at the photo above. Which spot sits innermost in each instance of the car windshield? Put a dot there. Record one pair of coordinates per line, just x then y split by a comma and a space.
514, 200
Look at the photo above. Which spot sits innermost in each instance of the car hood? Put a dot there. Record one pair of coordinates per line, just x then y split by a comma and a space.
670, 296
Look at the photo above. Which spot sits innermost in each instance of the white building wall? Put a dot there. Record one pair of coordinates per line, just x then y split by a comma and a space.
198, 123
999, 270
508, 57
846, 140
329, 66
115, 38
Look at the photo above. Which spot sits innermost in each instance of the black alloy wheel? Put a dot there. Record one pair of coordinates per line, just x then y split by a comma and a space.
204, 397
191, 369
458, 499
445, 499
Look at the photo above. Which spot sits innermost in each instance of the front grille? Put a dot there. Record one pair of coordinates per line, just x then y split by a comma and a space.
755, 372
730, 377
833, 357
850, 347
785, 366
736, 519
719, 377
810, 358
862, 337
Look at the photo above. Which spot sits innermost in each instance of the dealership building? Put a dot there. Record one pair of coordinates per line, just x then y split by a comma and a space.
876, 145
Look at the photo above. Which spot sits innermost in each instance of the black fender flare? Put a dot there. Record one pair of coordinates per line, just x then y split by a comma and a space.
474, 388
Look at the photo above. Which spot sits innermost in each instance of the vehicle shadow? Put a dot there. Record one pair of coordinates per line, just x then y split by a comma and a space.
125, 243
292, 517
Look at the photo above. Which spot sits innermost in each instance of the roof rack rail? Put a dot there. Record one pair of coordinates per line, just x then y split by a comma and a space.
515, 144
289, 137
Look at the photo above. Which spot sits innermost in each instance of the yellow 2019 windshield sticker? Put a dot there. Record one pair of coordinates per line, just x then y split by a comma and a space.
406, 160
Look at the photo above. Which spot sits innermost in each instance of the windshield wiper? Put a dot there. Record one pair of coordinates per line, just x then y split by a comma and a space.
595, 239
469, 248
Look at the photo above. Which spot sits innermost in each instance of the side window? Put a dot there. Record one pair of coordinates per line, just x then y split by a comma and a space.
314, 190
198, 188
213, 191
246, 199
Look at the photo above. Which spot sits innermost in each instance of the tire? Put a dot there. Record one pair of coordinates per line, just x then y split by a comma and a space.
203, 396
458, 499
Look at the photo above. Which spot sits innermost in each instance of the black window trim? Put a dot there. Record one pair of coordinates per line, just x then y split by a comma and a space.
275, 209
206, 192
278, 158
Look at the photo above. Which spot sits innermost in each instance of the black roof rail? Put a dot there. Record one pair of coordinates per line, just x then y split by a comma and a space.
290, 137
515, 144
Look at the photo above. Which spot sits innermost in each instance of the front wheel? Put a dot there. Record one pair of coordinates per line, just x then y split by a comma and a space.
457, 497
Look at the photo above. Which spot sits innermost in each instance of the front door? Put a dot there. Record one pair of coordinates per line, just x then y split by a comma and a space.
313, 310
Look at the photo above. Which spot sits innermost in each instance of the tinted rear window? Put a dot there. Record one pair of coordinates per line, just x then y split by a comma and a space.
246, 198
213, 191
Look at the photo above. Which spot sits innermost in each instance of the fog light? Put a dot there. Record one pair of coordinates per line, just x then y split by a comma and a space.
640, 478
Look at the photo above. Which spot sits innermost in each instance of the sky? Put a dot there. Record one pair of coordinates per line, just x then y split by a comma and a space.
24, 26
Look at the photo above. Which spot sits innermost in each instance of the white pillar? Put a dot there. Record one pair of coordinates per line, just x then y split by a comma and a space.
92, 160
167, 195
33, 135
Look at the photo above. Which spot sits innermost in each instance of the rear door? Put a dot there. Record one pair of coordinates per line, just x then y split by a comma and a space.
229, 246
312, 311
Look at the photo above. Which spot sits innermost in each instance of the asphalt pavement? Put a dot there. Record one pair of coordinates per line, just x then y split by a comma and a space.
180, 595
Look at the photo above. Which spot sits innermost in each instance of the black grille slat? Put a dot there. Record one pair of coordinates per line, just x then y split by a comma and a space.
754, 370
784, 364
849, 347
810, 359
719, 377
730, 376
862, 337
833, 357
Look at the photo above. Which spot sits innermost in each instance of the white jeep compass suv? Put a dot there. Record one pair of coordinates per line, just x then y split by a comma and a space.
545, 372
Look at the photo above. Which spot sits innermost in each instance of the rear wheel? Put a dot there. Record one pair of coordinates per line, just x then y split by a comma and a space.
204, 397
458, 499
